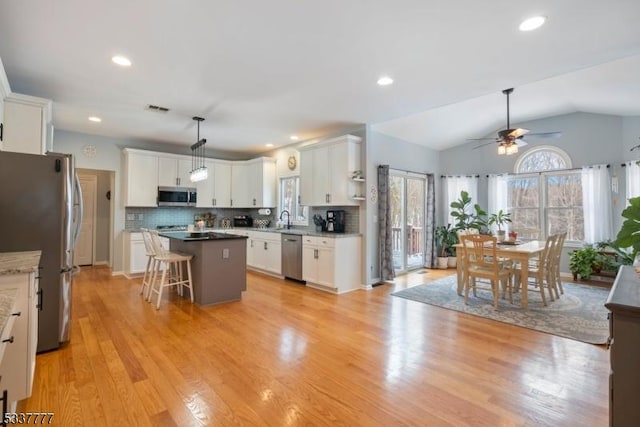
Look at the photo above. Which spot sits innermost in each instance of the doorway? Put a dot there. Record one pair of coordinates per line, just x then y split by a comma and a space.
84, 251
407, 193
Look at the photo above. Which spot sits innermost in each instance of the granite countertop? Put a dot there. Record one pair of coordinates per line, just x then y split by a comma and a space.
302, 232
7, 301
19, 262
188, 236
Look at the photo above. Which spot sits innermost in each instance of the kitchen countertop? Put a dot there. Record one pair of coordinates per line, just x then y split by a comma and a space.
19, 262
302, 232
188, 236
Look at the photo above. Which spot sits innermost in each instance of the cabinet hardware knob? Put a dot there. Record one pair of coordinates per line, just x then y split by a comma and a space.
9, 340
16, 314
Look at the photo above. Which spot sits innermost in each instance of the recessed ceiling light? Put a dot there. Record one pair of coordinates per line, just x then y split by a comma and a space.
294, 137
268, 145
95, 119
121, 60
385, 81
532, 23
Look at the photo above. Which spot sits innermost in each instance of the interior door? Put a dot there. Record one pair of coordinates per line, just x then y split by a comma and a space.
84, 251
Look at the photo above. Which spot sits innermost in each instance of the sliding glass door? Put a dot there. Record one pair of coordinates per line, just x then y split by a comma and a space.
407, 196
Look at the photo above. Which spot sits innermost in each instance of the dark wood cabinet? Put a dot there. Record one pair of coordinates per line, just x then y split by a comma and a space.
624, 343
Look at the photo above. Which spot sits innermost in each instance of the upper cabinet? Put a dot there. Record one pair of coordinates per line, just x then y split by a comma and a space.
140, 170
326, 169
253, 183
174, 171
215, 191
27, 124
5, 90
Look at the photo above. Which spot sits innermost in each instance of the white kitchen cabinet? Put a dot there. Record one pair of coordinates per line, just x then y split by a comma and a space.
135, 253
19, 359
174, 171
27, 124
4, 92
265, 251
326, 169
331, 263
140, 178
215, 191
253, 183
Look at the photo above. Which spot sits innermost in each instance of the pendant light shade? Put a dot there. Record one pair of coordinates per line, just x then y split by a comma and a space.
199, 171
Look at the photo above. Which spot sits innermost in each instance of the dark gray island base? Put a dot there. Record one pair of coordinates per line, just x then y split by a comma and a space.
218, 267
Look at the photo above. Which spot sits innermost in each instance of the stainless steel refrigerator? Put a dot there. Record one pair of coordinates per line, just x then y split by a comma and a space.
41, 209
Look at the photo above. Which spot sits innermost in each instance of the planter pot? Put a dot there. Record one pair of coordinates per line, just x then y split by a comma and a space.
500, 235
443, 262
452, 262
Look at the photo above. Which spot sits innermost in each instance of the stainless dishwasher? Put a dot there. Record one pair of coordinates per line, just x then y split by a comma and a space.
292, 256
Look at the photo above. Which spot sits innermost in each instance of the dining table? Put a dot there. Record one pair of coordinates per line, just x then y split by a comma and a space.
517, 251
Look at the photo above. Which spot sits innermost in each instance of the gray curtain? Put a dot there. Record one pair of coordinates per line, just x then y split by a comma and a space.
385, 248
429, 238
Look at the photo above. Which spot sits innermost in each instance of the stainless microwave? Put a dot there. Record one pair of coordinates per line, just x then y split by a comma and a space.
176, 196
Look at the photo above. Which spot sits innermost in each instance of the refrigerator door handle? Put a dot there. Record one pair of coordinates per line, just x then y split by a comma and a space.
79, 203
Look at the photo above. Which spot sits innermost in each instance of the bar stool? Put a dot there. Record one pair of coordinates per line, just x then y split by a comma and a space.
151, 264
172, 274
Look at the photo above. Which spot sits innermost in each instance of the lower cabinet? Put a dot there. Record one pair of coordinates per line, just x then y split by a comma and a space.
624, 353
331, 263
135, 254
264, 251
20, 338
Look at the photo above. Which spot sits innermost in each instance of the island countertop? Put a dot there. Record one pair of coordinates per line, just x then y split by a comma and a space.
19, 262
188, 236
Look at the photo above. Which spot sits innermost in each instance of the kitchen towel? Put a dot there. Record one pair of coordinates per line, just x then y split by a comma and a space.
265, 211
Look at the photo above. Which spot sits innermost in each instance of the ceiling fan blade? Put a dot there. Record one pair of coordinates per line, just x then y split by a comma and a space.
518, 133
482, 139
521, 142
482, 145
545, 134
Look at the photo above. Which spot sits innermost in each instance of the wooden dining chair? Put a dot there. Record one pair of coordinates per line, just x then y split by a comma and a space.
554, 268
461, 258
482, 262
540, 272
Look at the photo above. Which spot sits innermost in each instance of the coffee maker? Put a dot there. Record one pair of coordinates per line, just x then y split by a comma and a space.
335, 221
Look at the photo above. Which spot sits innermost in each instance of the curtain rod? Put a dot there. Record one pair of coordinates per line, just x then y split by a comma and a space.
407, 171
552, 170
459, 176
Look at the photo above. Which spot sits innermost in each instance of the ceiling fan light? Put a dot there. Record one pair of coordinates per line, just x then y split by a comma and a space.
512, 149
532, 23
502, 149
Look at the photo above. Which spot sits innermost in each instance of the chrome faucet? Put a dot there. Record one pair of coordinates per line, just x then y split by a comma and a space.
288, 218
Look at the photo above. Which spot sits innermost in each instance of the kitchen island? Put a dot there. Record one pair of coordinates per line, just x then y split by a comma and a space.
218, 267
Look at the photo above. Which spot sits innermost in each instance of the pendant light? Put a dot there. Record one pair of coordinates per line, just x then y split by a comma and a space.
199, 171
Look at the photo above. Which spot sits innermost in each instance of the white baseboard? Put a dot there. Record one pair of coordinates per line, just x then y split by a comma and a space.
117, 273
101, 263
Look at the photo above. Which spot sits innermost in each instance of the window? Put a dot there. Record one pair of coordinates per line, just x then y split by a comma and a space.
545, 195
289, 200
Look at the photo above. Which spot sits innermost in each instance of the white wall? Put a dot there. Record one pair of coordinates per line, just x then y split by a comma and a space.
382, 149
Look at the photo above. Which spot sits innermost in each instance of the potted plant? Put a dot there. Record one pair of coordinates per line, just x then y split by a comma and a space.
499, 219
583, 261
452, 239
629, 234
442, 238
466, 214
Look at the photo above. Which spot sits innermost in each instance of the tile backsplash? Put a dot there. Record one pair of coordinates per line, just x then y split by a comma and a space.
136, 218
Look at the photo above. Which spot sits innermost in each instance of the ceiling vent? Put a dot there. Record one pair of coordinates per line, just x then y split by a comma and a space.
156, 108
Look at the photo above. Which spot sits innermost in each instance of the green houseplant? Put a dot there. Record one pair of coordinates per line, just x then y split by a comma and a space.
466, 214
443, 243
581, 262
629, 234
499, 219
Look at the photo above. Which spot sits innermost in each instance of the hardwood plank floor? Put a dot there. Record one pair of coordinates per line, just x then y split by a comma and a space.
291, 355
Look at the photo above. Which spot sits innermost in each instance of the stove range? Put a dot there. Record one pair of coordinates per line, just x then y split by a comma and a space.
171, 228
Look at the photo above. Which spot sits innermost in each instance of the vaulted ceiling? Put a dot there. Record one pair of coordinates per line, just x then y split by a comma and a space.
259, 72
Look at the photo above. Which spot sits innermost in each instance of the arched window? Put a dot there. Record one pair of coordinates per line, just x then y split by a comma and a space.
541, 159
546, 194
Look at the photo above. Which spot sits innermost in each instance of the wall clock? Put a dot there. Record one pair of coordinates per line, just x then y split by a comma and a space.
89, 150
292, 162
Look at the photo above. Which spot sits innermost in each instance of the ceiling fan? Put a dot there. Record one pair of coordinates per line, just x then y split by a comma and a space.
510, 139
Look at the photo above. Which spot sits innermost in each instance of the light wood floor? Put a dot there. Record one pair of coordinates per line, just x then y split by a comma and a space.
290, 355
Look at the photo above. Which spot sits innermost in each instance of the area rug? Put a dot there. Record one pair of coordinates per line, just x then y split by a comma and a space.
579, 314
